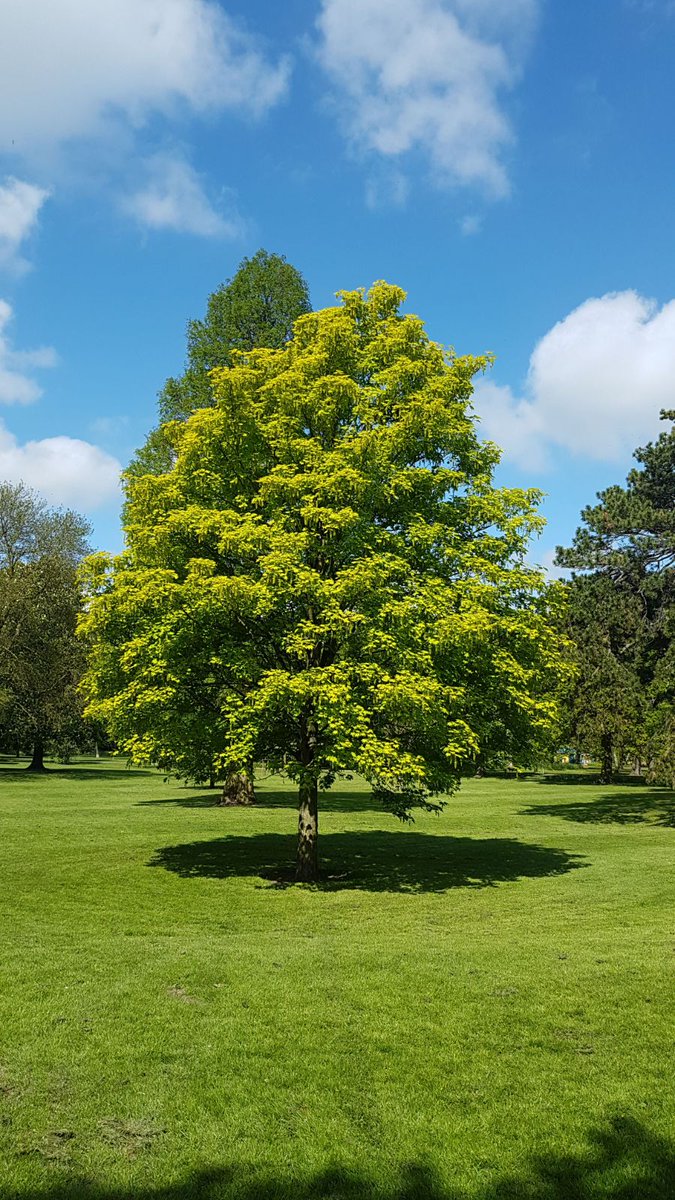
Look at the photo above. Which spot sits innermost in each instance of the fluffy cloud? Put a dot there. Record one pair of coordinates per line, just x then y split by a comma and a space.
65, 470
428, 76
85, 85
17, 387
70, 67
173, 197
595, 385
20, 204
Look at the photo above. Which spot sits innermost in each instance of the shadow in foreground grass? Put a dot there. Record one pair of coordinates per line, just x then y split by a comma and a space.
623, 1162
374, 861
620, 808
583, 778
13, 774
332, 801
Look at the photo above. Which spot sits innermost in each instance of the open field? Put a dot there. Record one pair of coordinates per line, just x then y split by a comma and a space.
476, 1007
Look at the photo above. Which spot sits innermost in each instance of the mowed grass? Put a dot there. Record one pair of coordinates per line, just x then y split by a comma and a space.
475, 1007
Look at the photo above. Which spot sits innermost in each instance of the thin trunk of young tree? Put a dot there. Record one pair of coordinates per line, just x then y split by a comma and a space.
37, 762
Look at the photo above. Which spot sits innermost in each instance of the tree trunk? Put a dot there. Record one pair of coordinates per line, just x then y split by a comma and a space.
607, 764
238, 789
307, 869
37, 763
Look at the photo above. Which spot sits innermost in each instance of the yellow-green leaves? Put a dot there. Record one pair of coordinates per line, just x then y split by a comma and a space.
327, 579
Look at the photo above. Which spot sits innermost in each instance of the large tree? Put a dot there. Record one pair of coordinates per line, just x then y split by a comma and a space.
622, 612
41, 658
330, 557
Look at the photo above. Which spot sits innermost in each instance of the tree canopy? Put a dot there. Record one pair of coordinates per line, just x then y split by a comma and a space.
41, 658
622, 614
257, 307
330, 558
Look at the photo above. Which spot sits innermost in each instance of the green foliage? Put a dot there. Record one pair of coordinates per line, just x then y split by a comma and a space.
330, 562
622, 613
30, 531
606, 702
41, 659
255, 308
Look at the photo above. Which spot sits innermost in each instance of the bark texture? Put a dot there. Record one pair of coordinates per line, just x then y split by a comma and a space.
238, 789
307, 869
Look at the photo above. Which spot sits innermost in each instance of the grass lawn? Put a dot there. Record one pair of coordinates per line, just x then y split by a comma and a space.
476, 1007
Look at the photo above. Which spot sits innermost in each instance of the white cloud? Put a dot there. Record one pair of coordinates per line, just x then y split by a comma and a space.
17, 387
596, 383
65, 470
20, 204
87, 86
71, 67
514, 424
174, 198
428, 76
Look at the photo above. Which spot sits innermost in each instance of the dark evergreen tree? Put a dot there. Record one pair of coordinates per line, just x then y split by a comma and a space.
622, 615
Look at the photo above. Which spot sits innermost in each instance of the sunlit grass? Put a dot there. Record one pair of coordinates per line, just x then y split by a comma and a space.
476, 1006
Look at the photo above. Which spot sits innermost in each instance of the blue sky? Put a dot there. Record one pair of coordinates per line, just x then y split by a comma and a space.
510, 164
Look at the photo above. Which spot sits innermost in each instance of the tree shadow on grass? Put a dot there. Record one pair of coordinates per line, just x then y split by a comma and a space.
75, 774
333, 801
624, 1161
374, 861
638, 808
584, 778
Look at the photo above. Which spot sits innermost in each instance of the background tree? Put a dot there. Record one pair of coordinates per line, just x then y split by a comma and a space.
605, 707
329, 555
622, 611
41, 659
257, 307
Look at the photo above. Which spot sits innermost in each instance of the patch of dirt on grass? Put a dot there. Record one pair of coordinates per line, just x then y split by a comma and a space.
179, 993
130, 1137
54, 1146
